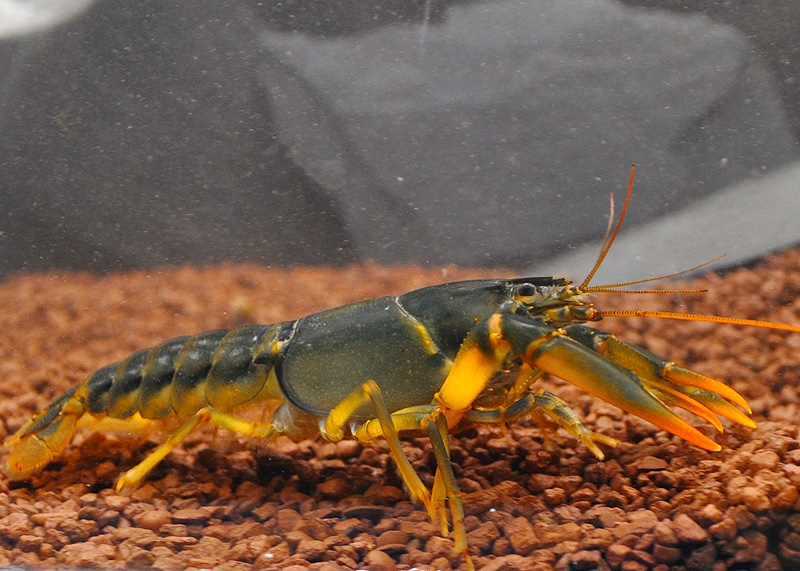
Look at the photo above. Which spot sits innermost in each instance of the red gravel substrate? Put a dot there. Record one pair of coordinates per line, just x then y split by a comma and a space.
219, 502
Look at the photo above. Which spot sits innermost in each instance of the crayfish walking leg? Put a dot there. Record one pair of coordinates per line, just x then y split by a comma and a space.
424, 417
340, 415
542, 406
133, 477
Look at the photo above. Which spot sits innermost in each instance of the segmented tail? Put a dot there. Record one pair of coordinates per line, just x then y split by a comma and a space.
41, 439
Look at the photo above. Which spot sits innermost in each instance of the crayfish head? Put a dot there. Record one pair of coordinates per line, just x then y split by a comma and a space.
559, 304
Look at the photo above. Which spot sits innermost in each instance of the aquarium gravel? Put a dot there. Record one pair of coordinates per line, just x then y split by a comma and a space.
231, 503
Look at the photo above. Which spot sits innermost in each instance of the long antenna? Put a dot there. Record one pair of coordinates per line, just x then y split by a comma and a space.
614, 288
698, 317
607, 243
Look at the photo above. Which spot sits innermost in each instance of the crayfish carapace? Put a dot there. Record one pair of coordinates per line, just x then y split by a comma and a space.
432, 362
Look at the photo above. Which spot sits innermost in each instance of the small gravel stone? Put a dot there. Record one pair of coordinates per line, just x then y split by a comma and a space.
521, 535
617, 553
787, 498
153, 519
392, 537
580, 560
29, 542
484, 536
710, 514
190, 516
78, 530
554, 496
665, 554
664, 534
650, 463
379, 560
311, 549
765, 460
641, 522
687, 531
755, 499
512, 563
14, 526
288, 520
702, 558
334, 489
116, 502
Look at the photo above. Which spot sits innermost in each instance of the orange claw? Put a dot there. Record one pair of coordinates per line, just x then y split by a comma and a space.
683, 376
620, 374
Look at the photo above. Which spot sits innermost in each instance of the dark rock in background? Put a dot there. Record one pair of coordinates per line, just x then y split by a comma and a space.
151, 132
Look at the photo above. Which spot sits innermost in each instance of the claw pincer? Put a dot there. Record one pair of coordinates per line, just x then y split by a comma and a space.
627, 376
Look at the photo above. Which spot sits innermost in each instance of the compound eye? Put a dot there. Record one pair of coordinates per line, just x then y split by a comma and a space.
526, 290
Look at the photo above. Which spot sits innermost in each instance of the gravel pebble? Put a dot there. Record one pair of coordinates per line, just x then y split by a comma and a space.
687, 531
153, 519
379, 560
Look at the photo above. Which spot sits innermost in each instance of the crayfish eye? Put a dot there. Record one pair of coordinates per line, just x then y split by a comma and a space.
526, 290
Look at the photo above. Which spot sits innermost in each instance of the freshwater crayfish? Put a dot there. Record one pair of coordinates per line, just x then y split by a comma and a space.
434, 361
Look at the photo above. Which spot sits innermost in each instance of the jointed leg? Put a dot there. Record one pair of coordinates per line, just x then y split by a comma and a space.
416, 418
445, 480
544, 405
135, 475
340, 415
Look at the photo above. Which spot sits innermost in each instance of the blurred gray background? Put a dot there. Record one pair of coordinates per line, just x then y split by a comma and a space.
481, 133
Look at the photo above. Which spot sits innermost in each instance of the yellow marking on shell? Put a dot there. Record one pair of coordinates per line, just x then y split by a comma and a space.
156, 405
193, 400
272, 389
425, 336
186, 403
231, 396
472, 369
269, 345
120, 406
422, 331
135, 423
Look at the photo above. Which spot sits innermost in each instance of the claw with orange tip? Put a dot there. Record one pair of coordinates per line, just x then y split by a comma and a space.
626, 376
678, 386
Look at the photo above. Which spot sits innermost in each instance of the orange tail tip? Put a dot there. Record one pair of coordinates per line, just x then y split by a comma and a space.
32, 452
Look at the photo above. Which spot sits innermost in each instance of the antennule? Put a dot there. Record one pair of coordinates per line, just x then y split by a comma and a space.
613, 287
607, 243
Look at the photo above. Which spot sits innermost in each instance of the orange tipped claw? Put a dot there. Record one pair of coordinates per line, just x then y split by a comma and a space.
683, 376
626, 376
